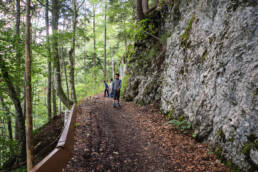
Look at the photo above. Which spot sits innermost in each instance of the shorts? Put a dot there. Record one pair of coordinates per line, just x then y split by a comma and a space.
116, 95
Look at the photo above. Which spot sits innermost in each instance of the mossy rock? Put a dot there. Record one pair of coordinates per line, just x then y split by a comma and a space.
150, 87
256, 91
221, 134
232, 166
125, 84
212, 39
184, 38
204, 55
232, 139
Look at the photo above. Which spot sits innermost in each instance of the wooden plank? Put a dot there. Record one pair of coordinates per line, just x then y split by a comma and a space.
69, 125
56, 160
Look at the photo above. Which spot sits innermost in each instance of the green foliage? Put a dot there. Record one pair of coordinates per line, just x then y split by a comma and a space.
181, 117
247, 147
251, 144
125, 83
184, 38
181, 125
232, 166
218, 152
170, 114
22, 169
8, 148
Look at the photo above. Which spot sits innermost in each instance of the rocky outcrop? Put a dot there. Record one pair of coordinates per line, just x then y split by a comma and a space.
209, 74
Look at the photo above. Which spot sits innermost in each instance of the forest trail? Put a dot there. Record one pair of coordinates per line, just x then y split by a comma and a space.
133, 138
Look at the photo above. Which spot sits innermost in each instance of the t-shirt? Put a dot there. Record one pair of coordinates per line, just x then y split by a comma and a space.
111, 85
106, 86
116, 84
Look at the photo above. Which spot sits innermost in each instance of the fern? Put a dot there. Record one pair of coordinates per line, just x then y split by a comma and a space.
181, 125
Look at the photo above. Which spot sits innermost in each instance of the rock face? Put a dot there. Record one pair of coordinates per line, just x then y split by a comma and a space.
209, 74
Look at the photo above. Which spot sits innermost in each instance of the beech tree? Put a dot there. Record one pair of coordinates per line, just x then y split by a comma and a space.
29, 146
49, 66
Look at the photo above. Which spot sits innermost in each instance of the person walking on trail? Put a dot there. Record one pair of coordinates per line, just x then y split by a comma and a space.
116, 86
106, 92
111, 91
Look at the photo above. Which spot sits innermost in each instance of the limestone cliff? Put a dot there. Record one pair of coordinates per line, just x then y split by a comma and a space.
209, 73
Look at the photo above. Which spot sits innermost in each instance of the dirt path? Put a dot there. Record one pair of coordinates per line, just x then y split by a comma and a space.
133, 138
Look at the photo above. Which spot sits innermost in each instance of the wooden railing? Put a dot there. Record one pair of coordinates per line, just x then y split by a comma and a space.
56, 160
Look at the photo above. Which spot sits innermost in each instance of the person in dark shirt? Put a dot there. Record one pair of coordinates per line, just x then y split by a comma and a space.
116, 86
106, 92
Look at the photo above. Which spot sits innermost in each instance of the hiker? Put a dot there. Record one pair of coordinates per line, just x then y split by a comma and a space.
116, 86
111, 91
106, 92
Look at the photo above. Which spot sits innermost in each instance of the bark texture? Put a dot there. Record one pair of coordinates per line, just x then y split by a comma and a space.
72, 53
49, 66
29, 128
139, 10
105, 43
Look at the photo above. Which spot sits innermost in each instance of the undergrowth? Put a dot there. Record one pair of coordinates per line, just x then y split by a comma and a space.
182, 125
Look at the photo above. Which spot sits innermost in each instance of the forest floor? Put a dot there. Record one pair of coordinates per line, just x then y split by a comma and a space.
134, 138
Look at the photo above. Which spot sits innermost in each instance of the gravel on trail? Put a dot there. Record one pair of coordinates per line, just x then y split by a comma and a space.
134, 138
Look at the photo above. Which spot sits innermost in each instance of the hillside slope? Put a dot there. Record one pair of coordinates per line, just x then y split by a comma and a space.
209, 73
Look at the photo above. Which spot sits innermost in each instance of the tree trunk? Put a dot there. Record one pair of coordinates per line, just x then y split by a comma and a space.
105, 43
72, 53
145, 6
60, 92
139, 10
49, 85
9, 124
54, 94
65, 72
94, 38
18, 54
112, 62
21, 136
29, 145
146, 9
